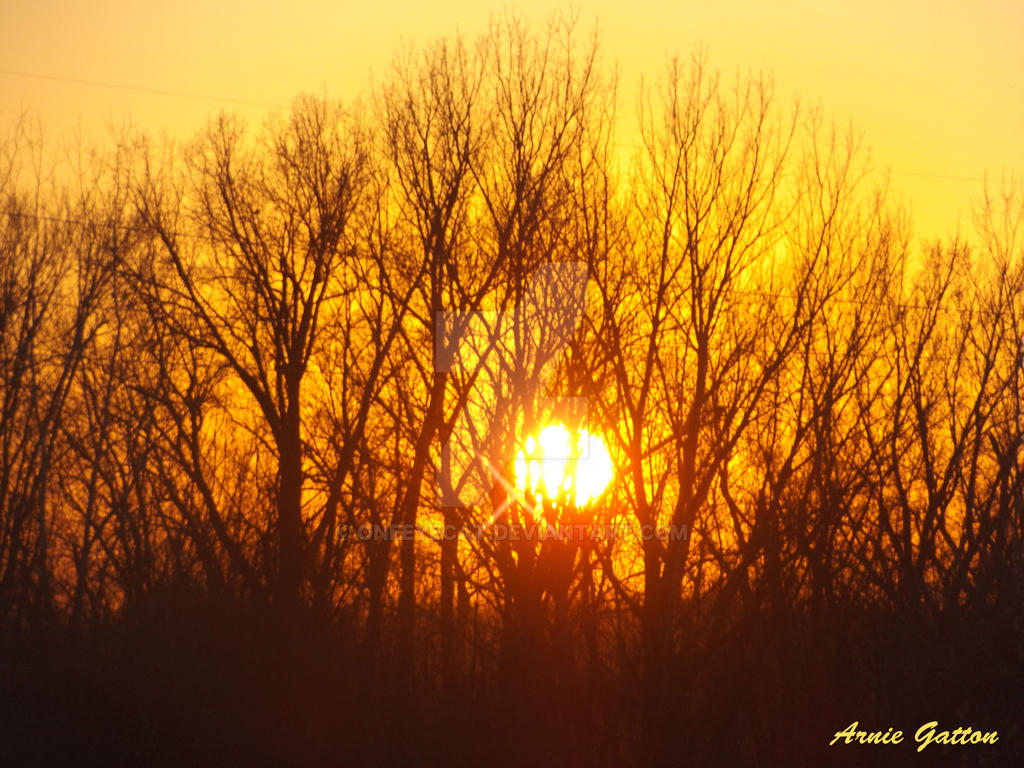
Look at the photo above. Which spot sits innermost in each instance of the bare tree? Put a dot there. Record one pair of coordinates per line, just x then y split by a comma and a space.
261, 253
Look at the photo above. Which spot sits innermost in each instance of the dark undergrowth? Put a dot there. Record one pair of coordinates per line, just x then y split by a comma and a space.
186, 682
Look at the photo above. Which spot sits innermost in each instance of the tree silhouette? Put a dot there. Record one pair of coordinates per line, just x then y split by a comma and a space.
261, 398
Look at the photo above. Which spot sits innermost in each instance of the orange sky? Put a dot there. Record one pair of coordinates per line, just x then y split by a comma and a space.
935, 85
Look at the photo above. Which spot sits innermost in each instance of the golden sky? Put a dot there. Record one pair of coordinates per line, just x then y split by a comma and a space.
935, 85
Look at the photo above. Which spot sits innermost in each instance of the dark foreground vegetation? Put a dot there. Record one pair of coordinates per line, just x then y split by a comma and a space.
222, 360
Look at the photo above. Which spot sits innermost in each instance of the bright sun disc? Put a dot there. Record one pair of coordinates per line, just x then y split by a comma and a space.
551, 468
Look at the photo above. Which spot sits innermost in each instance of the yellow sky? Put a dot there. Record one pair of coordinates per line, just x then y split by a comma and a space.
935, 85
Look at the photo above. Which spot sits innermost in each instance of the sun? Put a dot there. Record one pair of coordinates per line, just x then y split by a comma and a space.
555, 467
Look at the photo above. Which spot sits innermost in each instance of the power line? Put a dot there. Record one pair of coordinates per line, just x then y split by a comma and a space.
748, 293
270, 105
882, 171
136, 88
927, 175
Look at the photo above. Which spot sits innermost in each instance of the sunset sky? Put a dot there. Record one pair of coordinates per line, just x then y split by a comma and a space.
935, 86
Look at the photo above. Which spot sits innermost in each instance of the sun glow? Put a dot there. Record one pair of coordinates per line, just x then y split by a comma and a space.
553, 467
